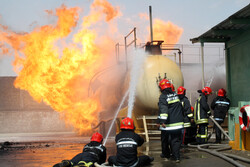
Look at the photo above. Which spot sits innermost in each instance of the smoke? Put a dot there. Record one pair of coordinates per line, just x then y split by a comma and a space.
214, 69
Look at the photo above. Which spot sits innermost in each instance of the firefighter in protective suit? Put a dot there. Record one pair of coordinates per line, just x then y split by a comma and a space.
92, 152
170, 121
127, 142
220, 106
188, 115
201, 114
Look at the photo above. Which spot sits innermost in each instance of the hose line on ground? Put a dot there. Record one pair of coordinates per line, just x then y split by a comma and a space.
220, 147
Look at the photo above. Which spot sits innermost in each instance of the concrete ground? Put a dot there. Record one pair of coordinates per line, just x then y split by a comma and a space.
50, 150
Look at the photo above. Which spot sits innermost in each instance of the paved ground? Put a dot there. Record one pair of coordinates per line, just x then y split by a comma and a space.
46, 153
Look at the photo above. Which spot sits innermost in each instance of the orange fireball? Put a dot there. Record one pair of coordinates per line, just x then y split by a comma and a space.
59, 76
55, 63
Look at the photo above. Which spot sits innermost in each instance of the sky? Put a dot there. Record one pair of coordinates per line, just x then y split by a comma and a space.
194, 16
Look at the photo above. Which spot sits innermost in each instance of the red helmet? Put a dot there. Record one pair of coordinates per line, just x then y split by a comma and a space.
181, 90
221, 92
97, 137
207, 90
127, 123
164, 84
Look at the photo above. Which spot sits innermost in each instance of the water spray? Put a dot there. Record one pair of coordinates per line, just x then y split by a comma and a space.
113, 121
138, 61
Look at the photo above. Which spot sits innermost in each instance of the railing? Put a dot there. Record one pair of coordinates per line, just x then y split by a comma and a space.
127, 45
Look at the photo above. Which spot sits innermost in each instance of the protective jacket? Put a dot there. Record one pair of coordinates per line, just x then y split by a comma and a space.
220, 105
201, 110
92, 152
188, 115
170, 111
127, 142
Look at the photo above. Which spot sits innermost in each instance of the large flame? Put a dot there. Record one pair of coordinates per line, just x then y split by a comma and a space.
55, 64
166, 31
59, 76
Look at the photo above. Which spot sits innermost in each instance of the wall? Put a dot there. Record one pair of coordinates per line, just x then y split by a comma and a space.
238, 68
19, 113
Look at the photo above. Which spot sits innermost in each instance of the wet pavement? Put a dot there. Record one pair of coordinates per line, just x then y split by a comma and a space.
47, 153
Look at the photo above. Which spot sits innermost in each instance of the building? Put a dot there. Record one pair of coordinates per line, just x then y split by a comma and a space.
234, 32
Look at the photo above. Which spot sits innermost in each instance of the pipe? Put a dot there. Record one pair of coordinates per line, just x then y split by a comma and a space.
151, 24
126, 53
179, 58
135, 36
202, 64
179, 52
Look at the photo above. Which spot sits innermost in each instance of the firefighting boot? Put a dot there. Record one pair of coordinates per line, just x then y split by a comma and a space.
64, 163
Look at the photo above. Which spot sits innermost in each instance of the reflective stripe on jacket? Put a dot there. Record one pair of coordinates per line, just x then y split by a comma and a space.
201, 110
220, 105
186, 110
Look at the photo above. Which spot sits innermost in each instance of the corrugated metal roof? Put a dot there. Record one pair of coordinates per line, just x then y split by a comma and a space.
227, 29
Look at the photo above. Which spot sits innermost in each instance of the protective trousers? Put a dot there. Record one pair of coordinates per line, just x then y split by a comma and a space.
190, 135
218, 131
202, 134
171, 143
142, 161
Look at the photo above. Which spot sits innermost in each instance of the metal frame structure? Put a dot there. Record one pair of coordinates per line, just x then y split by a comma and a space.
127, 45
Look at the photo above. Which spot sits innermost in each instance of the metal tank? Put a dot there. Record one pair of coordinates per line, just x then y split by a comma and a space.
147, 91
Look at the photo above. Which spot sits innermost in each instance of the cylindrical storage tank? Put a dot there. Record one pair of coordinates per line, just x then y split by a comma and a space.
147, 91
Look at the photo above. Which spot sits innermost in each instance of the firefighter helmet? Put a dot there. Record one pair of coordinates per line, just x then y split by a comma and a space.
222, 92
127, 123
206, 90
97, 137
181, 90
164, 84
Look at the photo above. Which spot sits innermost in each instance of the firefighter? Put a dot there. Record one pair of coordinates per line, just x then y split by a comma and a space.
92, 152
201, 114
170, 121
127, 142
188, 115
220, 106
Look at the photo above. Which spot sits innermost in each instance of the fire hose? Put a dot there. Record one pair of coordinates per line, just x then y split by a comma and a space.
220, 128
218, 147
225, 156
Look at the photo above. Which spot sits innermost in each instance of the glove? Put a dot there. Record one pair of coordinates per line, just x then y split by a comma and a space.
163, 125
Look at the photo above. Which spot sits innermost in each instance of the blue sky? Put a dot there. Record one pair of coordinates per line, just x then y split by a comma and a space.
194, 16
